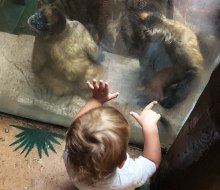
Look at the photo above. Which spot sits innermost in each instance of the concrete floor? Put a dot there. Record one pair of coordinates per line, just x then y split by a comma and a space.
18, 172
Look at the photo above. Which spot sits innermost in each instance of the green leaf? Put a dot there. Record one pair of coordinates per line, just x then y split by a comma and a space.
31, 146
22, 144
30, 137
51, 146
18, 141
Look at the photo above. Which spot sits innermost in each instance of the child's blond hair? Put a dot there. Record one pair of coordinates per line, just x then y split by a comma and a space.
97, 143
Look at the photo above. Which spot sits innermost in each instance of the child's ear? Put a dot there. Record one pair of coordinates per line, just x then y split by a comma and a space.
121, 164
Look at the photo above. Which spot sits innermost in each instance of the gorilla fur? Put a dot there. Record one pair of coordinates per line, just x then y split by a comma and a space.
132, 27
177, 46
64, 56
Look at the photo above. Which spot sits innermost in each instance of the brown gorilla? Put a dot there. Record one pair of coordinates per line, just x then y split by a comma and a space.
65, 55
168, 50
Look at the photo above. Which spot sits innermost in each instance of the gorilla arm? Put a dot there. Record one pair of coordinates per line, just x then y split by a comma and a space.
91, 48
39, 57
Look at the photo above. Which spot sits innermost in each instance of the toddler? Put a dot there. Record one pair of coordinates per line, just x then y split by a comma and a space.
97, 140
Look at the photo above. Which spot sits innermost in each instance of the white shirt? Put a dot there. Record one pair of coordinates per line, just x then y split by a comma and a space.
133, 174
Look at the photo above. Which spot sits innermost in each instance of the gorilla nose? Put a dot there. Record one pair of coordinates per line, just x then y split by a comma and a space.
32, 21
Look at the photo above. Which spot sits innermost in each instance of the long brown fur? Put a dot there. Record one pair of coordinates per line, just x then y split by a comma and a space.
62, 59
128, 26
182, 47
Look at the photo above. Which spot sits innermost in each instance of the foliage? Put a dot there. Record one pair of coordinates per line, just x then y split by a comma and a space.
42, 139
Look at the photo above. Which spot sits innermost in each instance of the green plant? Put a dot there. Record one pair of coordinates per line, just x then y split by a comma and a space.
30, 137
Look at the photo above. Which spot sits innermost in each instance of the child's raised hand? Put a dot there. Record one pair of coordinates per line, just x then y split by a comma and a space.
100, 91
148, 118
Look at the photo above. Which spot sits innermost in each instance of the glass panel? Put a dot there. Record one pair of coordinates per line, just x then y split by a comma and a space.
146, 49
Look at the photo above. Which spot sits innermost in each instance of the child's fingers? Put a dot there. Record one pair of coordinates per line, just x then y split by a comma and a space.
101, 85
136, 116
151, 105
90, 85
106, 88
159, 116
113, 95
95, 85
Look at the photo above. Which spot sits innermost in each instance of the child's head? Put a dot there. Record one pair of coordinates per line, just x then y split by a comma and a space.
97, 143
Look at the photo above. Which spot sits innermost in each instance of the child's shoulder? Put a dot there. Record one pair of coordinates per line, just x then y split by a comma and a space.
135, 171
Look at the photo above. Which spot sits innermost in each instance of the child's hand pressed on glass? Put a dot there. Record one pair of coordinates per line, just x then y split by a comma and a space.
100, 91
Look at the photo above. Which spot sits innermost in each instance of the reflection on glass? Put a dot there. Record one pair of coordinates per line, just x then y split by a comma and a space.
146, 49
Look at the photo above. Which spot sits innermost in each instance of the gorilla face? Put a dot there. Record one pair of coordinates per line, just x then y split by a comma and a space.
38, 22
48, 20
